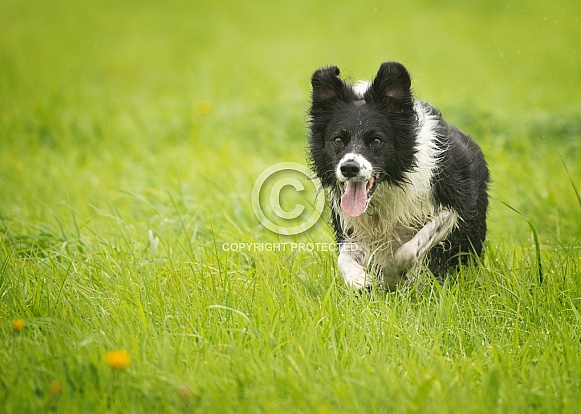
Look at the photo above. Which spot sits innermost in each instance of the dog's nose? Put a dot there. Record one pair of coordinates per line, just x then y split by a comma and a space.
349, 169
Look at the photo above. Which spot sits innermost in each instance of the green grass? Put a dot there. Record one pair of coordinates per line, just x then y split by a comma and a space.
131, 134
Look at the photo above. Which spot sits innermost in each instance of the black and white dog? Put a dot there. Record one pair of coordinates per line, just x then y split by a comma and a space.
408, 191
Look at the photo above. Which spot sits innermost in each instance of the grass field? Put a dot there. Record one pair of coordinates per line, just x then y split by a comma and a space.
131, 134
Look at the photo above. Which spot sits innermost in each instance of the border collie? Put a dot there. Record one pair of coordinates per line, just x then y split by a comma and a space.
408, 191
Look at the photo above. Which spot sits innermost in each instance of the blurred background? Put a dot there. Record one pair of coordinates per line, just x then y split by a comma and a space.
125, 108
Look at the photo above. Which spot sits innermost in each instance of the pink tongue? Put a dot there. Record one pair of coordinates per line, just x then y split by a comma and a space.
354, 199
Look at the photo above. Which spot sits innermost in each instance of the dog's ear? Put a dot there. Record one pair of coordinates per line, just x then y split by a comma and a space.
392, 87
328, 87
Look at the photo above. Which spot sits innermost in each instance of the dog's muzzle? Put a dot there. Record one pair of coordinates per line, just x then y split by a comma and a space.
358, 183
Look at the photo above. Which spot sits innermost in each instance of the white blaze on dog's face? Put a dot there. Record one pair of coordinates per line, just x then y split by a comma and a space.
356, 174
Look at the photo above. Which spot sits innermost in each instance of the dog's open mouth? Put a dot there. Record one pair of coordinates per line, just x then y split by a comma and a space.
357, 194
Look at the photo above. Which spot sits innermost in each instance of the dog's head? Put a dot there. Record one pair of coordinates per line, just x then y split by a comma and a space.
363, 135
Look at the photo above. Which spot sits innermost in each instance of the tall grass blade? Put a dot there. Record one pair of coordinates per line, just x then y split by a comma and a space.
572, 183
535, 240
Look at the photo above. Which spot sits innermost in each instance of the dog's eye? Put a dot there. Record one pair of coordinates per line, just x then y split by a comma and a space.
376, 142
338, 141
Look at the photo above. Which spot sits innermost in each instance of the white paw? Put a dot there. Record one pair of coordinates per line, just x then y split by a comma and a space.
396, 271
358, 281
354, 274
404, 258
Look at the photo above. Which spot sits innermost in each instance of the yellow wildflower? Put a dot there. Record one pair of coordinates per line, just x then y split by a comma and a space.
56, 388
17, 325
186, 394
118, 359
203, 108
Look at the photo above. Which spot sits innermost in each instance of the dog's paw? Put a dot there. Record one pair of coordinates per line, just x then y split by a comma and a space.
358, 281
354, 275
404, 258
397, 270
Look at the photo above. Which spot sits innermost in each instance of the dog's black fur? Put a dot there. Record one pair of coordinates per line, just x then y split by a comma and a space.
380, 135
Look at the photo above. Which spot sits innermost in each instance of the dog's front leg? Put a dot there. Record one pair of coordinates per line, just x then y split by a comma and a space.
351, 262
434, 231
